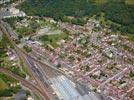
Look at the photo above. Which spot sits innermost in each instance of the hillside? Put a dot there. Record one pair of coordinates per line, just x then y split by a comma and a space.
117, 11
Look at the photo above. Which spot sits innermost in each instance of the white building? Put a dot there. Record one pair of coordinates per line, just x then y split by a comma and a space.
30, 98
13, 12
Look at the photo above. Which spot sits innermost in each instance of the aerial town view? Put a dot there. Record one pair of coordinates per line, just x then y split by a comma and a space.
66, 49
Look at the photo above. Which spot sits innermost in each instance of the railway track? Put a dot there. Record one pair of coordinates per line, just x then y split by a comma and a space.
45, 65
21, 54
24, 82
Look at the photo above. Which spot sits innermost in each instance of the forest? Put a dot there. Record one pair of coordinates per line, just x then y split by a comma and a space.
117, 11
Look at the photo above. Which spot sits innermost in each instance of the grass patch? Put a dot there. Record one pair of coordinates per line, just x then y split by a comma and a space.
3, 85
53, 39
130, 37
100, 1
25, 68
129, 2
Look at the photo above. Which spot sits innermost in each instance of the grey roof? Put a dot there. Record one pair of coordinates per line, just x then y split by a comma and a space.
66, 90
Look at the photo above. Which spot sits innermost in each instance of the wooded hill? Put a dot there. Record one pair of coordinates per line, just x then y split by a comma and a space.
117, 11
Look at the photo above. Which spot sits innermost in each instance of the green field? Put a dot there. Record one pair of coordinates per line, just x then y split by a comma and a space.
53, 39
129, 2
3, 85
